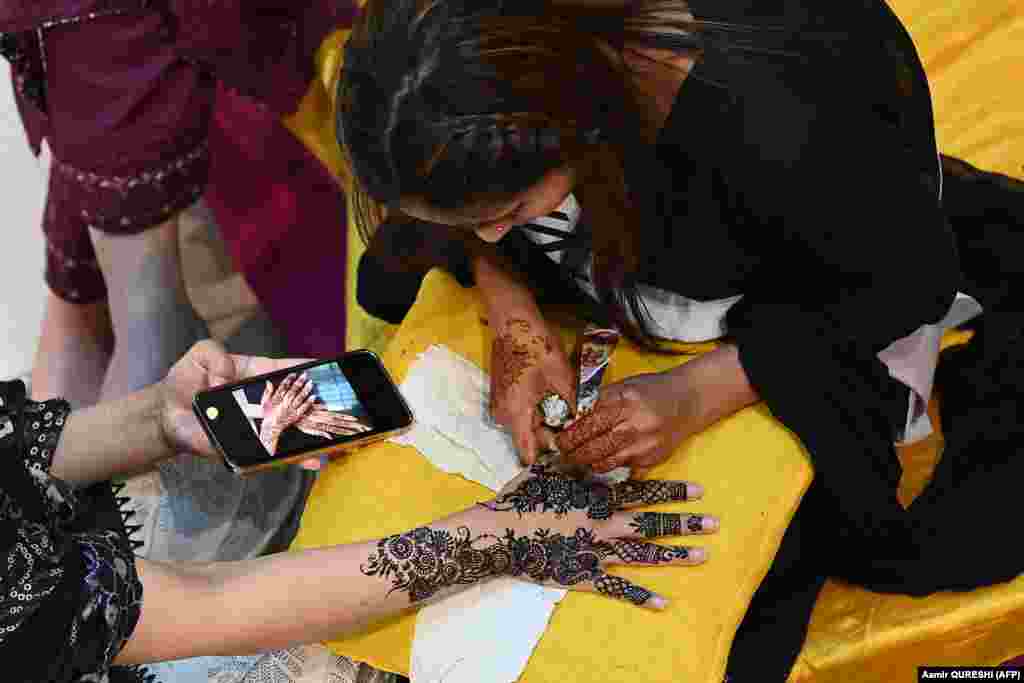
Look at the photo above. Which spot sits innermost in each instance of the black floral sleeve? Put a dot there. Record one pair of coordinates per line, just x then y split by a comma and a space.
59, 541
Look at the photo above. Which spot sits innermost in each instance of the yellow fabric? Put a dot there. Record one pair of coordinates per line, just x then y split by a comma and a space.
388, 488
972, 53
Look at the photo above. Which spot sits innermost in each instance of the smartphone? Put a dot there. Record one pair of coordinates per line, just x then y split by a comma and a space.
350, 401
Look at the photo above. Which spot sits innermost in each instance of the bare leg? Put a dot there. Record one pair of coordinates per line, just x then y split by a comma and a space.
74, 351
153, 319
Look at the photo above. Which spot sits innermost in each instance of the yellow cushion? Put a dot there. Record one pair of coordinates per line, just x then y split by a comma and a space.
971, 50
754, 470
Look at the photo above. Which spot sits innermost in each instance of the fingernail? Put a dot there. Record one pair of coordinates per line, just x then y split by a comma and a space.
698, 555
694, 491
657, 602
709, 523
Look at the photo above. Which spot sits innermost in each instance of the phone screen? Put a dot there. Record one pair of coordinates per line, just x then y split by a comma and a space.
265, 420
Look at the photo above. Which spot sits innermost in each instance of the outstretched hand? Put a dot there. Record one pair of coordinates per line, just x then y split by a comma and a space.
330, 424
550, 529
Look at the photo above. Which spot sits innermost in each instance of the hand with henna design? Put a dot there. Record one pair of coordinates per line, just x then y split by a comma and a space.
284, 406
527, 363
329, 424
637, 423
562, 533
549, 529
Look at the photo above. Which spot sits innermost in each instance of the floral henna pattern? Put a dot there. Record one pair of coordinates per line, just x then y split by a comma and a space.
426, 561
511, 359
547, 491
550, 491
515, 351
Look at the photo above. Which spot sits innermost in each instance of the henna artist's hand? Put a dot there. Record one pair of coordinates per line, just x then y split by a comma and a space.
527, 363
283, 406
637, 423
547, 528
330, 424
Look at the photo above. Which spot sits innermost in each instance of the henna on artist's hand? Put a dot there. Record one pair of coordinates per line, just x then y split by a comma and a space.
517, 348
527, 365
607, 414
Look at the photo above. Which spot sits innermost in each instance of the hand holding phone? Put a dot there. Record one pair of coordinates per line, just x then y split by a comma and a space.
207, 364
302, 412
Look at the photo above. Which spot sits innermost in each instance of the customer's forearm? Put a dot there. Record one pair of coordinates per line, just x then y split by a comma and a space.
274, 602
111, 439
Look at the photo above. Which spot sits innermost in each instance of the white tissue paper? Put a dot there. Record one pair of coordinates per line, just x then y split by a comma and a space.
466, 638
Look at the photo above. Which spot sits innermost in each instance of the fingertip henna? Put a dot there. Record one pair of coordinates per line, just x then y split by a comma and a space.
617, 587
638, 552
654, 524
633, 492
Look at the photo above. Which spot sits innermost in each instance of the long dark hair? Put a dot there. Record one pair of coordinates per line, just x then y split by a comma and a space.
456, 99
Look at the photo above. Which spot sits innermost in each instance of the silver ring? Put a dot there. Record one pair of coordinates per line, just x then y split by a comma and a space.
555, 410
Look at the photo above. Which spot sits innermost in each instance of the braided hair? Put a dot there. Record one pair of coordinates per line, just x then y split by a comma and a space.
448, 99
452, 100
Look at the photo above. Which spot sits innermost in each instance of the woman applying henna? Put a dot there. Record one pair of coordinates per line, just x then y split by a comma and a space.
760, 172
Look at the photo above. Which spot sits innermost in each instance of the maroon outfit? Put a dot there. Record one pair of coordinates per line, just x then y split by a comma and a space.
282, 215
123, 92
